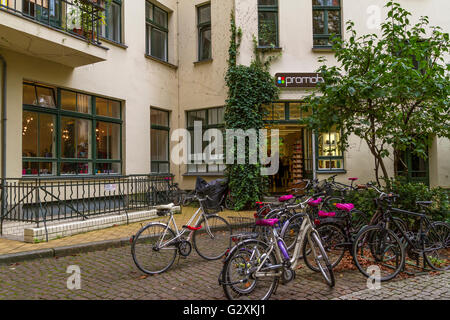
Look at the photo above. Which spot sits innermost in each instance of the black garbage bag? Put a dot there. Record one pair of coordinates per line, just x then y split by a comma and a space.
215, 190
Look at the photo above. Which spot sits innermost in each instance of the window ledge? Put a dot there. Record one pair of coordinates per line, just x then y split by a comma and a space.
203, 61
269, 49
322, 49
331, 171
206, 174
161, 61
114, 43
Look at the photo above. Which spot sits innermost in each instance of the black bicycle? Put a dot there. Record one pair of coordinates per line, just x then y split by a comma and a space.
378, 245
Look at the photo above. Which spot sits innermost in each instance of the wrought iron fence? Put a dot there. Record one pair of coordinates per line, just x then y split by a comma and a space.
39, 200
81, 18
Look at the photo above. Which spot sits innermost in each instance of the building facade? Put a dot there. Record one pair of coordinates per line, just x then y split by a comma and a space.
105, 103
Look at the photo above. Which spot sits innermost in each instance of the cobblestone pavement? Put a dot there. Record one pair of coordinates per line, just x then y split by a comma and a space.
111, 274
436, 287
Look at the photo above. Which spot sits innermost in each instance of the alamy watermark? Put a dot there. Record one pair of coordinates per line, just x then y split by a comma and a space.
74, 280
237, 146
374, 279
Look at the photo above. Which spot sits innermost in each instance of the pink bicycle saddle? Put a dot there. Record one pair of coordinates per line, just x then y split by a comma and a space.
326, 214
345, 206
315, 203
352, 179
285, 197
266, 222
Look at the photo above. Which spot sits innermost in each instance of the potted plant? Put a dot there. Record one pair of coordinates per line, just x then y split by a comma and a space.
81, 16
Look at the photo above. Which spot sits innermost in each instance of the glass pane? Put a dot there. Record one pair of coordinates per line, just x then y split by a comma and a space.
220, 115
75, 138
318, 22
278, 111
321, 42
47, 168
329, 144
159, 44
101, 107
212, 116
154, 167
148, 10
108, 140
75, 168
45, 97
334, 18
83, 103
267, 2
192, 168
114, 108
205, 44
294, 111
267, 111
159, 145
107, 168
113, 22
196, 116
46, 136
204, 14
29, 134
160, 17
159, 117
30, 168
267, 28
68, 100
326, 2
29, 94
163, 168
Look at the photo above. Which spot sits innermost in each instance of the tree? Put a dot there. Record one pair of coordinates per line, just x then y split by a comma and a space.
391, 90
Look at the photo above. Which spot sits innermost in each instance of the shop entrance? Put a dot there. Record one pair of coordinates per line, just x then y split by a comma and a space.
295, 157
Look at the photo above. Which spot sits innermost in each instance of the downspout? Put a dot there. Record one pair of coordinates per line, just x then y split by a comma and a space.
3, 141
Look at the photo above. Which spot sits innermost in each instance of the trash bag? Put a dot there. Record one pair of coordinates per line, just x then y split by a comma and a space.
215, 190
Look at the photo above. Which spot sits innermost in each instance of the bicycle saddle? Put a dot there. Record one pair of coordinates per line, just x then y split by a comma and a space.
267, 222
315, 203
285, 197
345, 206
326, 214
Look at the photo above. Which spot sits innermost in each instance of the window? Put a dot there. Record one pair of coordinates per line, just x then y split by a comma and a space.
412, 167
329, 151
204, 32
326, 21
212, 118
268, 23
63, 133
159, 137
284, 111
156, 31
112, 30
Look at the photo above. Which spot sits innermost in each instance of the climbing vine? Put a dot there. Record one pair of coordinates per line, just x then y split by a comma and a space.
249, 87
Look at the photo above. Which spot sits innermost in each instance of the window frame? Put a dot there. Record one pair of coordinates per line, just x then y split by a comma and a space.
273, 9
59, 113
204, 26
326, 35
150, 25
165, 129
105, 36
205, 127
329, 158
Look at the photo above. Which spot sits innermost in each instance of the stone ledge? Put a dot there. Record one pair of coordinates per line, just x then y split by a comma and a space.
33, 235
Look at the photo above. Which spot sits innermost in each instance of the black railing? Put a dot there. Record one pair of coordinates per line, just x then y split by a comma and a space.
81, 18
40, 201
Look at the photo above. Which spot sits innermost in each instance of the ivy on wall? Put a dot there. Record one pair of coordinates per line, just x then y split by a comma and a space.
249, 87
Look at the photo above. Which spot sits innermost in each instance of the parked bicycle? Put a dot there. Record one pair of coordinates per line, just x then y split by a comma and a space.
156, 245
253, 268
378, 245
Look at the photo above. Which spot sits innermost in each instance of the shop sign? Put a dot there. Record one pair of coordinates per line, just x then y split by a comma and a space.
298, 80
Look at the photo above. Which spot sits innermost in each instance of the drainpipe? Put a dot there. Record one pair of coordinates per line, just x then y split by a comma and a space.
3, 142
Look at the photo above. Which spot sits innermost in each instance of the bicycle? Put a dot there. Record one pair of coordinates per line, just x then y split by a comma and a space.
379, 245
156, 245
256, 267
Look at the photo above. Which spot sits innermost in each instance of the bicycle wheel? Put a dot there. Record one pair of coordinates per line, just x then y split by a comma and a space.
238, 279
333, 241
437, 246
313, 246
379, 247
213, 239
152, 249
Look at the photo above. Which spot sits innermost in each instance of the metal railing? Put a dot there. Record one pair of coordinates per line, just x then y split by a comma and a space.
41, 201
80, 18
